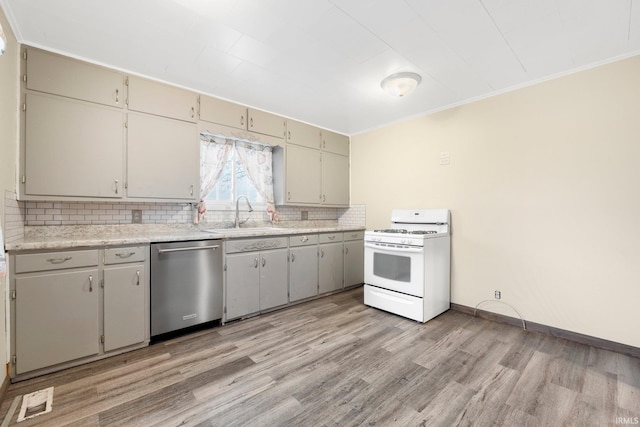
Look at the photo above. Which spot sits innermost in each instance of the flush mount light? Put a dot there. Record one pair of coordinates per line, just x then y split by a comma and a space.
401, 84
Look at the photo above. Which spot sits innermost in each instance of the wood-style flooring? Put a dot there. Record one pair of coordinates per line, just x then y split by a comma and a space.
335, 362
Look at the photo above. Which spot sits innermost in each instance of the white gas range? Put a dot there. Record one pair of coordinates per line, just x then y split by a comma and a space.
407, 266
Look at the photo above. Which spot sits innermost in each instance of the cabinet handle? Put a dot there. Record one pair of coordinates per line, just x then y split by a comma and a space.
331, 237
251, 122
293, 257
58, 260
321, 253
188, 248
138, 278
324, 144
116, 185
242, 120
324, 198
125, 254
288, 195
193, 112
346, 251
90, 283
264, 261
191, 190
255, 263
117, 96
288, 135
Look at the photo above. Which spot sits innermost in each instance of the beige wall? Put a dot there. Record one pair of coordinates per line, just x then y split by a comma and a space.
8, 143
544, 189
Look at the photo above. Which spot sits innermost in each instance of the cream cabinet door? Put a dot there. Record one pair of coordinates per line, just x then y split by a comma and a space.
242, 284
266, 123
353, 262
124, 306
72, 148
335, 142
330, 267
226, 113
162, 158
152, 97
51, 73
335, 179
302, 176
274, 284
303, 272
303, 134
56, 318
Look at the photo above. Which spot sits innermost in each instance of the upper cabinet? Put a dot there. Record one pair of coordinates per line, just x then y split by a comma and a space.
266, 123
335, 143
148, 96
238, 116
57, 75
73, 149
162, 158
303, 134
226, 113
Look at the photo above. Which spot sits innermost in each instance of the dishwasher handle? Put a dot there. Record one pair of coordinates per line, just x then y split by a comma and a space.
190, 248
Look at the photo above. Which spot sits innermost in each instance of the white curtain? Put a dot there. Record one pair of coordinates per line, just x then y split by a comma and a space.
213, 154
256, 160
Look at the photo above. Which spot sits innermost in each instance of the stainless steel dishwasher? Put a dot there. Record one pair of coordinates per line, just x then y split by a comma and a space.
186, 284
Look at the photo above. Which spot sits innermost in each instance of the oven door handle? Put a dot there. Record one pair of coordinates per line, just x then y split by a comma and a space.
393, 249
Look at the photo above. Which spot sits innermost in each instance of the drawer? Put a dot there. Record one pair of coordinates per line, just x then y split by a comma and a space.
330, 237
25, 263
353, 235
303, 240
124, 255
250, 245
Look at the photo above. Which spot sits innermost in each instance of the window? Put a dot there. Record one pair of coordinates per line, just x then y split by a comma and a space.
230, 168
233, 182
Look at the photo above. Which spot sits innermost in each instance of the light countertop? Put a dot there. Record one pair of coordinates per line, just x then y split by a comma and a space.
78, 236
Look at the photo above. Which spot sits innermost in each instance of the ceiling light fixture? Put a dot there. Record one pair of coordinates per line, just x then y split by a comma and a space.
401, 84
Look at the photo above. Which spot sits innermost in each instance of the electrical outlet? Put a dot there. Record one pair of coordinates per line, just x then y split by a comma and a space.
497, 294
136, 216
304, 215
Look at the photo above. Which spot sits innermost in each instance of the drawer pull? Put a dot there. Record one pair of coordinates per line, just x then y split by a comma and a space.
293, 257
255, 263
331, 237
58, 260
304, 239
189, 248
346, 251
90, 283
264, 261
125, 254
138, 278
354, 235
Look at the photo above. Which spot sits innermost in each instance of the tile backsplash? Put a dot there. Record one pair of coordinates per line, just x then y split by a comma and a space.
34, 213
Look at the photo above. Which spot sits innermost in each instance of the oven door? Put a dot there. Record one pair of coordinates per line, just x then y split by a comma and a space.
398, 268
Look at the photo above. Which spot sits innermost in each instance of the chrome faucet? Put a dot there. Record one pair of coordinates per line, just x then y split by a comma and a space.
238, 222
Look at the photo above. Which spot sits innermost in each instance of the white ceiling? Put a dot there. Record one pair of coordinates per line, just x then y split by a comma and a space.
321, 61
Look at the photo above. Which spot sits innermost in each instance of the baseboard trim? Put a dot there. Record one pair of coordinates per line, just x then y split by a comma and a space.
550, 330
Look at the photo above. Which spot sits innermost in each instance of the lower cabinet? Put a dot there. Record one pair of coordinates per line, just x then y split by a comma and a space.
330, 262
303, 267
70, 307
56, 318
353, 258
255, 280
124, 306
